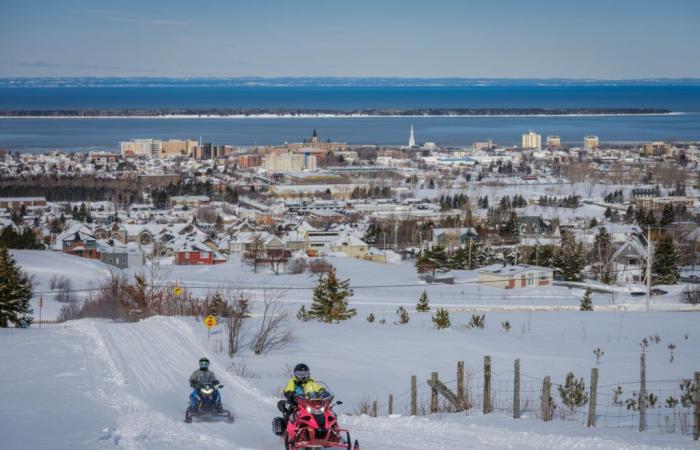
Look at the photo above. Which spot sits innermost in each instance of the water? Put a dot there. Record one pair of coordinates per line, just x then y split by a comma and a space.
90, 134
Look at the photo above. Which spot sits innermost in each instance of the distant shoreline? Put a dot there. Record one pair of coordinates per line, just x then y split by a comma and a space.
221, 113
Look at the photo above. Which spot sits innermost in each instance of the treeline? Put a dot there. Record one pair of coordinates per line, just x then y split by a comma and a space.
568, 260
73, 189
371, 192
161, 195
158, 112
572, 201
25, 239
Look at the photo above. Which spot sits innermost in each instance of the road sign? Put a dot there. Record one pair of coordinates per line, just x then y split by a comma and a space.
177, 290
210, 321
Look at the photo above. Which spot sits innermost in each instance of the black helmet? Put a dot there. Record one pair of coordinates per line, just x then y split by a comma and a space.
302, 372
204, 364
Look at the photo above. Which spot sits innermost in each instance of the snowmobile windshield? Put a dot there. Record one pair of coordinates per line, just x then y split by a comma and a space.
324, 393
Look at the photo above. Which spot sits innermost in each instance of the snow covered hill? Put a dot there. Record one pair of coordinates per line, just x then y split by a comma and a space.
94, 384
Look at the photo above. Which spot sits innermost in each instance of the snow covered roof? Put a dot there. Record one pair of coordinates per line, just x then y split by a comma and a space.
500, 269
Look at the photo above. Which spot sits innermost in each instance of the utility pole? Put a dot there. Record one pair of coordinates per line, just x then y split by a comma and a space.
649, 262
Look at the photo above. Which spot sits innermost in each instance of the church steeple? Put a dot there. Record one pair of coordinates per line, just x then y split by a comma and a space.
411, 138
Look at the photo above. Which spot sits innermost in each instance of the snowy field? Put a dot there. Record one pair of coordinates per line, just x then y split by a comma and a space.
94, 384
378, 288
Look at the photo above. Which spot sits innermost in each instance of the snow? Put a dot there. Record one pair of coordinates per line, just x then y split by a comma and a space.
116, 385
94, 384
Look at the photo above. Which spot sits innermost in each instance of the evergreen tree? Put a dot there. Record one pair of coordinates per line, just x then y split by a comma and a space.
423, 303
665, 264
587, 301
668, 216
15, 293
512, 228
441, 319
650, 219
569, 261
330, 302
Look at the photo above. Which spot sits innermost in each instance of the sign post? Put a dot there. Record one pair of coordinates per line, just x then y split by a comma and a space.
209, 322
41, 305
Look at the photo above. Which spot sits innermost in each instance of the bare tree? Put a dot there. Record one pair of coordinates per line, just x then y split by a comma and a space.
273, 331
240, 303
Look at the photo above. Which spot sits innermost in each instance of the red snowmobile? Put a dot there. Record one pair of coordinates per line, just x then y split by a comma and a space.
313, 424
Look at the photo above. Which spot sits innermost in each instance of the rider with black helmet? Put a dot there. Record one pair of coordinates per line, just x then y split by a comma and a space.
203, 376
300, 384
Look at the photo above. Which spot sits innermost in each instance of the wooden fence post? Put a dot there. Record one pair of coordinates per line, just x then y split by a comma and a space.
487, 385
460, 386
696, 430
390, 406
433, 393
546, 399
593, 400
414, 396
516, 390
642, 399
373, 413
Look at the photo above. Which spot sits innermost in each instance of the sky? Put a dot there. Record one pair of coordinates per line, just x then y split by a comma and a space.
606, 39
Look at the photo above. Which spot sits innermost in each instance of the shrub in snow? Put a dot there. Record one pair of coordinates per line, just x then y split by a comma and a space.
330, 301
691, 295
296, 266
320, 266
598, 354
671, 348
441, 319
403, 315
477, 321
236, 321
15, 293
586, 301
303, 314
617, 396
573, 392
423, 303
70, 311
370, 318
506, 326
650, 400
688, 390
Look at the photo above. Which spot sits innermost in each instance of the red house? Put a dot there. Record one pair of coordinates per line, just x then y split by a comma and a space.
193, 253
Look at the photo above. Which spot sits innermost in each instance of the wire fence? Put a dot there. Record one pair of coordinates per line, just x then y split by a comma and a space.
670, 406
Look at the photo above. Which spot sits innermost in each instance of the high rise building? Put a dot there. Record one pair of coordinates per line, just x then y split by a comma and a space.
176, 147
141, 147
532, 140
411, 139
553, 142
290, 162
208, 150
590, 142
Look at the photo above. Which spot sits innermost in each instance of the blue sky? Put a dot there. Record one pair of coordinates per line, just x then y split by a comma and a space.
408, 38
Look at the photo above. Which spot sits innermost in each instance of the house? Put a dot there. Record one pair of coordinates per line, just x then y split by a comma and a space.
318, 242
515, 277
627, 263
120, 255
80, 243
453, 237
191, 252
351, 246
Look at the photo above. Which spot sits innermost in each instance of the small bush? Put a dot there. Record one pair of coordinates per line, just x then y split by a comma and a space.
320, 265
303, 314
691, 295
403, 315
370, 318
506, 326
441, 319
587, 301
70, 311
423, 303
477, 321
296, 266
573, 392
598, 354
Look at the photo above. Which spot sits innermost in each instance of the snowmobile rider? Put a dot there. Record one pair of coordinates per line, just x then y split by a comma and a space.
299, 385
203, 376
